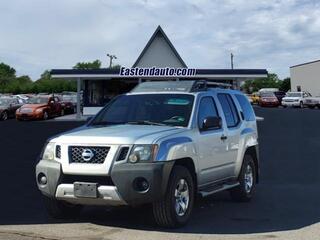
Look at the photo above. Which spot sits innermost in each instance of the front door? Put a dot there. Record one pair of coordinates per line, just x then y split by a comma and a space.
211, 145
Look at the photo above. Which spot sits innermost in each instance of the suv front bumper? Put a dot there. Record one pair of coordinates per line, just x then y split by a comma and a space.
121, 191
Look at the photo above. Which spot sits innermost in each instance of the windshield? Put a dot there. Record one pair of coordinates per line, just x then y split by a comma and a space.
69, 98
148, 109
38, 100
267, 94
4, 101
294, 94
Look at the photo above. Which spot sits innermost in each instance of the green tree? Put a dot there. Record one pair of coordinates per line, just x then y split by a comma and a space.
271, 81
116, 66
7, 71
88, 65
285, 85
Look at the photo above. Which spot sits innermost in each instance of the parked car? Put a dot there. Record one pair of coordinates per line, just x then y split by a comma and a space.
69, 103
255, 97
295, 99
312, 102
21, 98
40, 107
162, 144
8, 107
280, 95
268, 99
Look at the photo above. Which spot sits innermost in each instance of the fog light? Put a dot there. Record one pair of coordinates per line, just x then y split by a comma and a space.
141, 184
42, 179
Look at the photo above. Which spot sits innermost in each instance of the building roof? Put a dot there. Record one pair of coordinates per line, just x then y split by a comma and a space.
298, 65
160, 31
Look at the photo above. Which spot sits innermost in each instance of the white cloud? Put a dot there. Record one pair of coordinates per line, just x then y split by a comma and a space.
274, 34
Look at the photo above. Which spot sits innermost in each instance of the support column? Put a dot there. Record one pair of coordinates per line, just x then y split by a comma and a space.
78, 98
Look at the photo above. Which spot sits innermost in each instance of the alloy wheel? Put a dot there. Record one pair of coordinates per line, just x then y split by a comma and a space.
182, 197
248, 178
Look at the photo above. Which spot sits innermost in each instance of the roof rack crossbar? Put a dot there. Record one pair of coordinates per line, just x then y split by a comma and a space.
203, 85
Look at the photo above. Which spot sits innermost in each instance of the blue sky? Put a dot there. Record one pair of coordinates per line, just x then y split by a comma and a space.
36, 35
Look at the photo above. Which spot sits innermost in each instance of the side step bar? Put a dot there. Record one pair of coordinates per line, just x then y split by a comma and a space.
218, 188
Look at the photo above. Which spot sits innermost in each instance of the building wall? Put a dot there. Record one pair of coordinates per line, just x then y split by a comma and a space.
159, 54
307, 76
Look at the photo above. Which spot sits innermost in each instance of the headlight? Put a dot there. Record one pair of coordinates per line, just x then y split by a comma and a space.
39, 110
142, 153
48, 153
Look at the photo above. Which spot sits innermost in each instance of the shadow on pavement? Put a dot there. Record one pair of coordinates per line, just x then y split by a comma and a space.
287, 198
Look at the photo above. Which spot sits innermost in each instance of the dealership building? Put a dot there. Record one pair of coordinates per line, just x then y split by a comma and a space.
306, 77
158, 61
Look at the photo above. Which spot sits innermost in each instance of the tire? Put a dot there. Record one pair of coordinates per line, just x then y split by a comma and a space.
245, 191
45, 115
168, 212
61, 210
301, 105
4, 116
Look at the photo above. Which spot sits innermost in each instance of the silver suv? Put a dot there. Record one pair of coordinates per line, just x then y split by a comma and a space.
163, 143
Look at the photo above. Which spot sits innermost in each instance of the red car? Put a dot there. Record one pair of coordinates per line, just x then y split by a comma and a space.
40, 107
268, 99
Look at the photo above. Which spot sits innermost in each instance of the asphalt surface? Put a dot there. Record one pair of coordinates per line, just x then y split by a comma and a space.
286, 205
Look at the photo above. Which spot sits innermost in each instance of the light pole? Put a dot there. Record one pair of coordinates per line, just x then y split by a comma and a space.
231, 60
111, 58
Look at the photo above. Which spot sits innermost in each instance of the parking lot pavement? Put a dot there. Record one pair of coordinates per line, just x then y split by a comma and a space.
286, 205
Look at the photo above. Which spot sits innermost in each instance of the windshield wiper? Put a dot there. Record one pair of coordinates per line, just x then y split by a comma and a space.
105, 123
145, 122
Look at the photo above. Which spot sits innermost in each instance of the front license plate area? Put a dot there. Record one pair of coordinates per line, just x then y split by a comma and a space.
85, 190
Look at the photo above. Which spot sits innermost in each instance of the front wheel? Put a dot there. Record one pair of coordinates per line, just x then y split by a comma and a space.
58, 209
301, 105
175, 208
247, 179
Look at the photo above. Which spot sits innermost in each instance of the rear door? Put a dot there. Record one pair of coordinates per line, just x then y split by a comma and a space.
232, 121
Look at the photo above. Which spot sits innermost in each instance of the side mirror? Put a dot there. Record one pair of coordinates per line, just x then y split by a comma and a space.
211, 123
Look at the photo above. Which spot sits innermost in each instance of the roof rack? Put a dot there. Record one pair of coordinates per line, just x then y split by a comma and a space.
197, 85
204, 85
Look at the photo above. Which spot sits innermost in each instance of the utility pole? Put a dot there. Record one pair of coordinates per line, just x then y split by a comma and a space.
111, 58
231, 60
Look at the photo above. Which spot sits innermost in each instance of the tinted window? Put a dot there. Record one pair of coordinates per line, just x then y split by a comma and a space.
229, 109
246, 108
207, 108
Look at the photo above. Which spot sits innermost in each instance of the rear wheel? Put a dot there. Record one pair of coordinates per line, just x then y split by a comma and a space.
247, 179
59, 209
45, 115
4, 115
175, 208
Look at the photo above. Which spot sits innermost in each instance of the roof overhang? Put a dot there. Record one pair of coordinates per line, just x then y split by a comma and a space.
200, 74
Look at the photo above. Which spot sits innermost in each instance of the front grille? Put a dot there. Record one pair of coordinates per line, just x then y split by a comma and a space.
123, 153
99, 154
58, 151
101, 180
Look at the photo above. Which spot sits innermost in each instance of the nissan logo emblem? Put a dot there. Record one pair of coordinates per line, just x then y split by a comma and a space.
87, 155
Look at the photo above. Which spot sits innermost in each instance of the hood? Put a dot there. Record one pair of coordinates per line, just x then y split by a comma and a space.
118, 134
291, 98
33, 106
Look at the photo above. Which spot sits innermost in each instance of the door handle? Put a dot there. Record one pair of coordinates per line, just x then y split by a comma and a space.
223, 137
